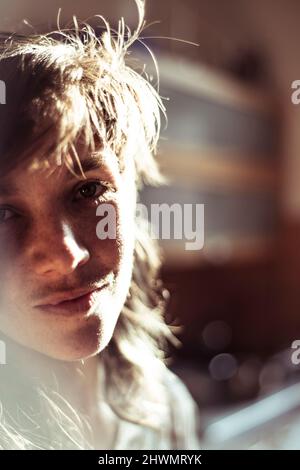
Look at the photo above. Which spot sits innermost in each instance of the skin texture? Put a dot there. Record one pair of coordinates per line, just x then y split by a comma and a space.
49, 246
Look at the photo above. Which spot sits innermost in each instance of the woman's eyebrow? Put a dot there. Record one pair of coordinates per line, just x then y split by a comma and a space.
93, 162
90, 163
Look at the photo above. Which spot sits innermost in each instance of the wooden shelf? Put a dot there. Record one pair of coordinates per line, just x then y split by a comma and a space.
216, 170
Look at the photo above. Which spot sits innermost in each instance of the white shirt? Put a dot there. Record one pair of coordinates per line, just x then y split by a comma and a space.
60, 427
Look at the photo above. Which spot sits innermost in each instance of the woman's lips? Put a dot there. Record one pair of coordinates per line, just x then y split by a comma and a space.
81, 304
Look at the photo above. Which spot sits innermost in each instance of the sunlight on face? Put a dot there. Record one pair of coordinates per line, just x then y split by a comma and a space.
61, 287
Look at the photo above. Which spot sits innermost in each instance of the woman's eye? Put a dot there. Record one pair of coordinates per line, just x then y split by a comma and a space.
6, 214
90, 190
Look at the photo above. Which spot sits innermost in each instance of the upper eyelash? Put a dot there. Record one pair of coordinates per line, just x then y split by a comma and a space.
106, 184
103, 183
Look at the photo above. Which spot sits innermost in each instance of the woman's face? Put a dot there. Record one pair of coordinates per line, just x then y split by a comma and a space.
62, 284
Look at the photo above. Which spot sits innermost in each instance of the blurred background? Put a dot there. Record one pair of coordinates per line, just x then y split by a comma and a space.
232, 143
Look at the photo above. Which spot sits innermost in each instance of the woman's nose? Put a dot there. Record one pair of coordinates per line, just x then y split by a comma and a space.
56, 250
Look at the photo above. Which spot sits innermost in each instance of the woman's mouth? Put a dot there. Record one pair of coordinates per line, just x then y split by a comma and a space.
81, 304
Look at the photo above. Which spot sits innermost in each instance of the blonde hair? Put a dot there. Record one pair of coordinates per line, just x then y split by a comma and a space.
73, 86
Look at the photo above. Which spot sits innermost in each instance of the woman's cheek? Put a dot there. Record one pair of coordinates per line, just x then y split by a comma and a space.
9, 252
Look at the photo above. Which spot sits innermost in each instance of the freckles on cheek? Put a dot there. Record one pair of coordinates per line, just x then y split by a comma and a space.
115, 224
8, 255
126, 228
12, 248
13, 242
